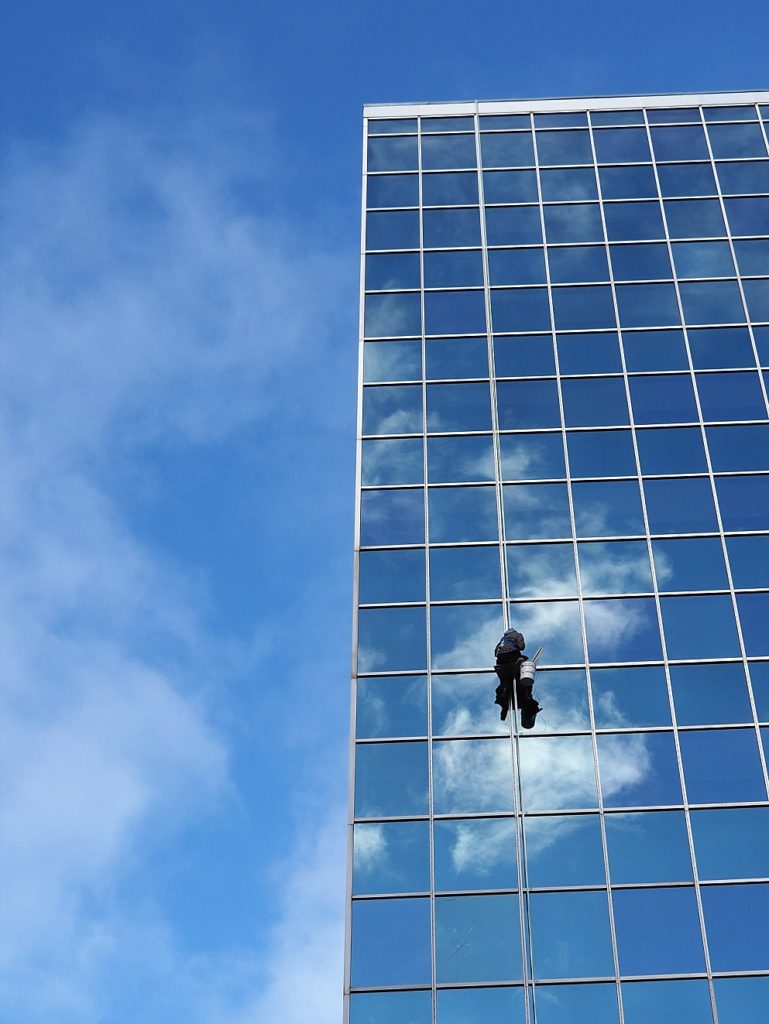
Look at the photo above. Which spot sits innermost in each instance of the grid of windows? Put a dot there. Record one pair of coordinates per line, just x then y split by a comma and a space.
564, 428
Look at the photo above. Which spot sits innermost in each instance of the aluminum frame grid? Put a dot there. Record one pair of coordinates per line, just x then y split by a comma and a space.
518, 814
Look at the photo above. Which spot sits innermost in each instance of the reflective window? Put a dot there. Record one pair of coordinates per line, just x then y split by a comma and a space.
449, 358
541, 570
639, 769
671, 450
736, 140
730, 113
619, 567
601, 453
390, 942
709, 694
474, 938
392, 126
462, 513
621, 145
748, 216
391, 1007
392, 190
666, 115
450, 189
458, 407
749, 560
397, 230
460, 459
744, 178
393, 315
447, 124
566, 694
712, 302
390, 779
390, 576
654, 351
731, 842
475, 853
510, 186
647, 305
735, 919
451, 228
455, 312
722, 766
391, 857
686, 180
576, 1004
753, 255
703, 259
593, 402
644, 262
616, 117
680, 143
633, 221
648, 846
658, 931
578, 263
453, 269
666, 1002
699, 627
680, 506
392, 360
580, 223
509, 149
564, 850
564, 147
462, 706
517, 266
754, 614
741, 999
589, 353
721, 347
535, 511
759, 677
624, 697
570, 935
586, 307
520, 309
392, 517
757, 299
492, 122
555, 625
392, 462
693, 218
391, 639
731, 396
491, 1005
392, 270
607, 509
744, 502
513, 225
464, 573
391, 706
620, 630
442, 151
528, 403
561, 120
557, 772
463, 636
392, 410
692, 564
524, 356
397, 154
636, 182
561, 186
531, 456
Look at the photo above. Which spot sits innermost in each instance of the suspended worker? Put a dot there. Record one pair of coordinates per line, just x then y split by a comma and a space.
515, 670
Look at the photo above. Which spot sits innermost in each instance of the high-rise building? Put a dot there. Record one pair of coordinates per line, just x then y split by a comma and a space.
564, 428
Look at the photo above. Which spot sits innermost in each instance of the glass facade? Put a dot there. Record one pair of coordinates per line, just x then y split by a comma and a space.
564, 427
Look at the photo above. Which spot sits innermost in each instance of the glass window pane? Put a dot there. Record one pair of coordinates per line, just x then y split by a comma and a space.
741, 999
754, 614
712, 302
616, 117
621, 145
510, 186
569, 119
568, 185
588, 307
391, 1008
392, 360
577, 223
462, 269
703, 259
392, 517
677, 450
491, 1005
541, 570
556, 626
455, 312
578, 263
392, 410
464, 636
391, 706
700, 627
390, 576
686, 180
447, 124
593, 402
633, 221
392, 462
721, 347
531, 456
451, 229
647, 305
576, 1004
693, 218
564, 147
620, 567
650, 846
443, 151
635, 182
465, 573
744, 113
455, 358
666, 1002
654, 351
722, 766
606, 509
392, 126
513, 225
534, 511
647, 261
493, 122
450, 189
557, 773
392, 315
565, 693
458, 407
507, 149
622, 630
731, 842
731, 396
461, 705
520, 309
462, 514
390, 779
396, 230
391, 639
625, 697
744, 502
748, 216
601, 453
524, 356
475, 853
527, 404
759, 677
744, 178
396, 154
392, 190
757, 299
680, 506
460, 459
392, 270
753, 255
666, 115
391, 857
680, 143
390, 942
692, 564
639, 769
735, 919
517, 266
658, 931
570, 935
736, 140
564, 850
475, 938
749, 560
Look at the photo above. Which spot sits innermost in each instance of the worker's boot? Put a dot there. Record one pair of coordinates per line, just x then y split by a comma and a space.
529, 706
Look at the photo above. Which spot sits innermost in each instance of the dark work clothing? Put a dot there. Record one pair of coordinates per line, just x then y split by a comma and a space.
508, 669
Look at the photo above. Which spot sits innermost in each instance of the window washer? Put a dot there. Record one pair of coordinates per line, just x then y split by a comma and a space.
513, 668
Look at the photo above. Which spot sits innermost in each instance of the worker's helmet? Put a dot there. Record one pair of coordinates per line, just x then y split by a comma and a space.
517, 638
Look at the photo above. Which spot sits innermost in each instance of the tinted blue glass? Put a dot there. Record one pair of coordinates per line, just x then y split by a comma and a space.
620, 567
694, 218
749, 560
644, 262
744, 113
458, 407
703, 259
620, 630
392, 462
564, 147
666, 1002
709, 694
455, 312
524, 356
517, 266
633, 221
449, 358
721, 347
588, 307
712, 302
464, 574
663, 399
461, 706
676, 450
541, 570
535, 511
639, 769
732, 842
392, 126
460, 639
650, 846
658, 931
691, 564
453, 269
491, 1005
391, 857
390, 942
462, 513
741, 999
391, 1008
589, 353
391, 706
390, 779
532, 456
722, 765
735, 920
568, 185
446, 229
493, 122
392, 270
757, 298
582, 263
753, 256
392, 190
593, 402
680, 506
754, 615
566, 693
392, 517
447, 124
564, 850
390, 576
654, 350
621, 145
475, 853
576, 1004
647, 305
561, 120
601, 453
761, 335
460, 459
731, 396
510, 186
442, 151
666, 115
748, 216
509, 149
513, 225
529, 403
625, 697
556, 624
635, 182
736, 140
473, 938
736, 448
570, 935
391, 639
601, 118
744, 178
606, 509
680, 143
579, 223
520, 309
744, 502
557, 772
686, 180
699, 627
759, 677
397, 230
454, 188
396, 154
392, 360
394, 409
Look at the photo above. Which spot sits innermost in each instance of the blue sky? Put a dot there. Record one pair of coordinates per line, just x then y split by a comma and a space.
180, 199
